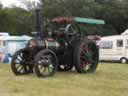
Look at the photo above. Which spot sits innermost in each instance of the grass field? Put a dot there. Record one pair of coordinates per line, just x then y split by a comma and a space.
108, 80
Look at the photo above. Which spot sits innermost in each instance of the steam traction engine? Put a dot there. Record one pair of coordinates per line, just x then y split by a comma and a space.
62, 48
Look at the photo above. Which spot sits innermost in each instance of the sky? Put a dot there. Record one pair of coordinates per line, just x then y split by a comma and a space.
7, 3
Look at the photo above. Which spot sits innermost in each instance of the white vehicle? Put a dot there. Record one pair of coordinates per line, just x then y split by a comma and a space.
114, 47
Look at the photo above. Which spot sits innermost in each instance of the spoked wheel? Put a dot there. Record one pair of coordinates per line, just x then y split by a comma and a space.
65, 67
45, 63
19, 64
86, 57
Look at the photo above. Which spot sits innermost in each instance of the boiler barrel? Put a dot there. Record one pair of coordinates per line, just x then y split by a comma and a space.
42, 44
52, 44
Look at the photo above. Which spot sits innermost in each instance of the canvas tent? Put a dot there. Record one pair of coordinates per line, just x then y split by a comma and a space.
4, 34
9, 44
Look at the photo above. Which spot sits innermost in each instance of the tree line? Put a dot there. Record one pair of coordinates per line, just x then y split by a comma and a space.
21, 21
16, 20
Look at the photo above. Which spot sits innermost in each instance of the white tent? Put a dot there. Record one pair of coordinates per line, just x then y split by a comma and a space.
15, 37
9, 44
4, 34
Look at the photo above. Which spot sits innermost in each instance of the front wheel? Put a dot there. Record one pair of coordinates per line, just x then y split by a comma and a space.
19, 64
45, 63
86, 56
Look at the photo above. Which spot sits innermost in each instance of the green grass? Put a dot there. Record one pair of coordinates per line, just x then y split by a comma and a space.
108, 80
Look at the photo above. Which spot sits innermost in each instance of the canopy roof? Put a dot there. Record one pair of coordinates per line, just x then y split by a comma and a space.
77, 20
88, 20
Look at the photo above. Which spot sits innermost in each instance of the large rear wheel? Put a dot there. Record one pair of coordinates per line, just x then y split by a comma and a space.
86, 56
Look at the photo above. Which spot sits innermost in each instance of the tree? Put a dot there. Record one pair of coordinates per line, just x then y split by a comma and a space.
115, 12
17, 21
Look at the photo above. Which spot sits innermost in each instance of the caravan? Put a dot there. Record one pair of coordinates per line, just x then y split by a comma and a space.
114, 47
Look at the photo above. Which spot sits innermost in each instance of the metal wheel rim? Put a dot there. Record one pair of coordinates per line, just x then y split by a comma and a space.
86, 58
19, 64
45, 70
